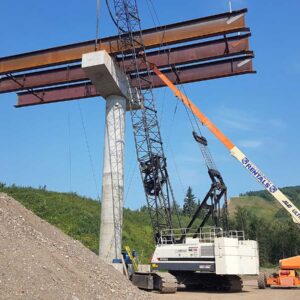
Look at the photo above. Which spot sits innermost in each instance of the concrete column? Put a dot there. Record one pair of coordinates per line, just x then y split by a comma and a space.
112, 84
113, 180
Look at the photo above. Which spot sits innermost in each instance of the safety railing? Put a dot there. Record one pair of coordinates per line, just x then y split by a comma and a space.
204, 235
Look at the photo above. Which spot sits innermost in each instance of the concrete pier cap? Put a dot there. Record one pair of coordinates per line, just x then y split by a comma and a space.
104, 73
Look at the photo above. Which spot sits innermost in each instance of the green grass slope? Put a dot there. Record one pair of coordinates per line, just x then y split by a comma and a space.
263, 205
79, 217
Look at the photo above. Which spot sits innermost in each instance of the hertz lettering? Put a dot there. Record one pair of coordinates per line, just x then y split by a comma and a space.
259, 176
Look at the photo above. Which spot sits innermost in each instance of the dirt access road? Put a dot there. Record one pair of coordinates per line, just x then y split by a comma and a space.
250, 292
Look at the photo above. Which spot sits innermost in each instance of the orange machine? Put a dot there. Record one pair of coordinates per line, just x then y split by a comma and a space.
286, 277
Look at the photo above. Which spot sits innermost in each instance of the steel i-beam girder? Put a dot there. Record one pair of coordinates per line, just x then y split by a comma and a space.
212, 50
221, 24
173, 48
206, 71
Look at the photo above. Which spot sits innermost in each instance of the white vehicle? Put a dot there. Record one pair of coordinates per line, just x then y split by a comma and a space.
209, 258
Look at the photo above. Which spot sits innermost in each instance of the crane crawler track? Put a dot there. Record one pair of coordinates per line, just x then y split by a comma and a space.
167, 282
209, 281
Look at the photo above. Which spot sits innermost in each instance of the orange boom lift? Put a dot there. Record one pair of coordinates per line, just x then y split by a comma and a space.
285, 277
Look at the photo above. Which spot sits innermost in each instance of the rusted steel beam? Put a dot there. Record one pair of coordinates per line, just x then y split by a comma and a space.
211, 50
42, 79
59, 94
220, 48
154, 37
206, 71
229, 67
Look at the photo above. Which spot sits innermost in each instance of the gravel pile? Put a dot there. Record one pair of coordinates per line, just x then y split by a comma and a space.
38, 261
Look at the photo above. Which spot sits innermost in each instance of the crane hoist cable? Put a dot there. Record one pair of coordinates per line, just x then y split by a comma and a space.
112, 16
197, 134
208, 161
97, 24
218, 189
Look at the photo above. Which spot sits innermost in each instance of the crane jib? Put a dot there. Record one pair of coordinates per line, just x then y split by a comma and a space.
270, 187
260, 177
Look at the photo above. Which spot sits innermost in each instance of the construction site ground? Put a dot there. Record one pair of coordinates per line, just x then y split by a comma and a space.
250, 292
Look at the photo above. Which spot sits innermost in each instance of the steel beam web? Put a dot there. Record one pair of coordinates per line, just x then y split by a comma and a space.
149, 146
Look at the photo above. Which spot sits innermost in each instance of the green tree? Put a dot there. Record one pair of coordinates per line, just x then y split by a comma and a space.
189, 203
175, 207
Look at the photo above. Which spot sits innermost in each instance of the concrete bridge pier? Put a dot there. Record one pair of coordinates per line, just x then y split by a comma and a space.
113, 180
112, 84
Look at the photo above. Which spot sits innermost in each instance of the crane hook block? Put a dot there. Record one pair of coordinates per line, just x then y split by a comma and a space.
200, 139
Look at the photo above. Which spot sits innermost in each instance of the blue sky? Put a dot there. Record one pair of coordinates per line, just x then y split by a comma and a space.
45, 145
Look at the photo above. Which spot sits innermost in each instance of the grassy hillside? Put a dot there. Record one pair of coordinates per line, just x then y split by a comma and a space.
263, 205
254, 212
259, 206
79, 217
263, 219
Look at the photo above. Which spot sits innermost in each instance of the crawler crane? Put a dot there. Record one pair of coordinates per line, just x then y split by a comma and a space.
197, 256
287, 275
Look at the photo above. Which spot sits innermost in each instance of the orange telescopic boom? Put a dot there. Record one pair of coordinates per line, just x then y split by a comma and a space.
234, 150
290, 263
187, 102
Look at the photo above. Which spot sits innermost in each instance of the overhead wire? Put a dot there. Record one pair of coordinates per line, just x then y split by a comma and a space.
154, 14
88, 149
129, 183
69, 150
166, 49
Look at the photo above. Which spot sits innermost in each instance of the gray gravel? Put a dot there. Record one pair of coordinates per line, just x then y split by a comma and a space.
38, 261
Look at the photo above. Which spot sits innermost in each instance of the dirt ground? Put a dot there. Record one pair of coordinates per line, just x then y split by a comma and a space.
250, 292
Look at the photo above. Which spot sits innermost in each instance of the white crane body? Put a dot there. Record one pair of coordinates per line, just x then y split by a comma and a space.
211, 250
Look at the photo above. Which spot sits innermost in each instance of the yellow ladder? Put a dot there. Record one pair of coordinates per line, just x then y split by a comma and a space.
135, 265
